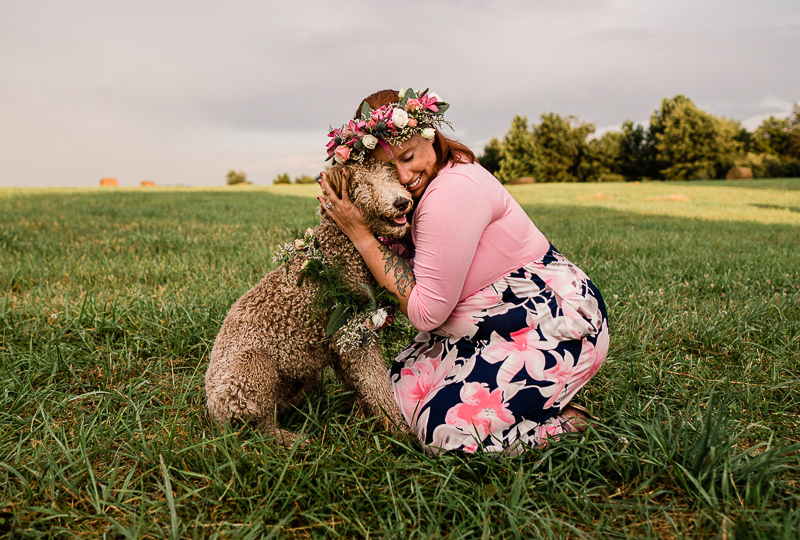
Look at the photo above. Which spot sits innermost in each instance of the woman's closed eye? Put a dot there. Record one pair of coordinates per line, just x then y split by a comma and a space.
406, 159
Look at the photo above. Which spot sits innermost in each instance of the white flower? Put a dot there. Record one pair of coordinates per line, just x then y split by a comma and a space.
399, 117
428, 133
299, 244
379, 319
401, 93
370, 140
435, 96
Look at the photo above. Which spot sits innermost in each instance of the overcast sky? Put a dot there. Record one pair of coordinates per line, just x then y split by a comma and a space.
180, 92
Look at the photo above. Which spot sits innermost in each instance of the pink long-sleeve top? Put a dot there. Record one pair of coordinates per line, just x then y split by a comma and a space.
468, 232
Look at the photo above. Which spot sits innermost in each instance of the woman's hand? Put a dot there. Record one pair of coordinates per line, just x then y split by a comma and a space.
343, 212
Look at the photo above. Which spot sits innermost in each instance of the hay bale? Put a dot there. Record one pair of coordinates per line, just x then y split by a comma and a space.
148, 183
598, 196
523, 180
680, 197
740, 173
108, 182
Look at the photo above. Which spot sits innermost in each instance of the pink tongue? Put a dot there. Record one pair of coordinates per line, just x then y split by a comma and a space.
400, 220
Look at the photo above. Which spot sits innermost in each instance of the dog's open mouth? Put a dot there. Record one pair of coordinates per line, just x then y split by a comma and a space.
396, 221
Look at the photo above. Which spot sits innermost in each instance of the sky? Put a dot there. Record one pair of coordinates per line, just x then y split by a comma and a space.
179, 92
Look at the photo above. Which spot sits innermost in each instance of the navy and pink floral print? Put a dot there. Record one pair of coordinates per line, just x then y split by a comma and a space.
496, 375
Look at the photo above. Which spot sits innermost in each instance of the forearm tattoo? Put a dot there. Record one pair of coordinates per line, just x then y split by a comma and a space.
398, 269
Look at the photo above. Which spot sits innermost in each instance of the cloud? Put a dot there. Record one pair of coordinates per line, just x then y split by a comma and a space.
180, 92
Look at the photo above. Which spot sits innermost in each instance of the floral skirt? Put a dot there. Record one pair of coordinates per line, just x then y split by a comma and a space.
497, 373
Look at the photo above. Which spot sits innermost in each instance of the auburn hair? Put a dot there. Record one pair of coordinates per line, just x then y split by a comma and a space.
447, 150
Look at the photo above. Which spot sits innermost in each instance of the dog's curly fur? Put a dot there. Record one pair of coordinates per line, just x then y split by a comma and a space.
270, 351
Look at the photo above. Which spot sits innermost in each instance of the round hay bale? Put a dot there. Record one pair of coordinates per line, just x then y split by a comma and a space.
740, 173
148, 183
108, 182
523, 180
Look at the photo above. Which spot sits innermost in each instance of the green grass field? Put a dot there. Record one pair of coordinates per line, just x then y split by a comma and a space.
111, 299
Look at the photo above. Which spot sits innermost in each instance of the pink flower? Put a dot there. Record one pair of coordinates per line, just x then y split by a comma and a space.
592, 357
342, 153
480, 410
523, 351
413, 104
354, 127
560, 374
382, 114
333, 135
412, 122
461, 322
429, 102
418, 384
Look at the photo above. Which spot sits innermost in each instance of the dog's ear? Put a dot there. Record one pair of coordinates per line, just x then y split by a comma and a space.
337, 176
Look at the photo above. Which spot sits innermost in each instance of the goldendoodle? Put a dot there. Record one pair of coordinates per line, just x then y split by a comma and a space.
271, 350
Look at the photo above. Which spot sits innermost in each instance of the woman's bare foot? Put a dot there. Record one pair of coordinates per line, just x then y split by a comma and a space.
577, 420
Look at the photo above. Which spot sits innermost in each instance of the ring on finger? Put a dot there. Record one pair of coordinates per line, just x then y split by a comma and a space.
329, 206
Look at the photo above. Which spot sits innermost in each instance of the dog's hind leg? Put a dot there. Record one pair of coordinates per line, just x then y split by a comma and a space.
241, 384
245, 385
285, 437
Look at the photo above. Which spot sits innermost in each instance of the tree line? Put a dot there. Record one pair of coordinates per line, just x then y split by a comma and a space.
681, 142
236, 178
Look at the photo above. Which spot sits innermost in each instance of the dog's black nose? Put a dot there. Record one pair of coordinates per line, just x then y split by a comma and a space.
401, 204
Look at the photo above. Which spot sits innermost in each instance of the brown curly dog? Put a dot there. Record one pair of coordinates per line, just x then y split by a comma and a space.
270, 351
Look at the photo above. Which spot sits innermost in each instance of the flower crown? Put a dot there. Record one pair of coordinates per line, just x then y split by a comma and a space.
395, 123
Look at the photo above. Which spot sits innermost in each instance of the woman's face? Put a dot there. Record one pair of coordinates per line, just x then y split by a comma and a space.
415, 162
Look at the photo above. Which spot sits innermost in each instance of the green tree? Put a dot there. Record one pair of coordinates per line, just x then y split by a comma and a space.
282, 179
780, 136
772, 136
637, 153
693, 144
304, 179
518, 152
492, 156
562, 149
603, 157
234, 178
658, 161
730, 144
746, 139
775, 148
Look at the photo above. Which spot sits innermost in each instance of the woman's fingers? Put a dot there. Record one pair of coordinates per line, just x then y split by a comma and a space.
327, 192
345, 191
326, 189
330, 194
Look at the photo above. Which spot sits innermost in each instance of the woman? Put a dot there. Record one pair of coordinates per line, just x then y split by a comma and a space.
510, 329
